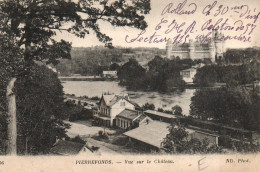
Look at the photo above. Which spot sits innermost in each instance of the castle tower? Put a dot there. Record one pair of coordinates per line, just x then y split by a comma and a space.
169, 49
212, 51
191, 49
219, 45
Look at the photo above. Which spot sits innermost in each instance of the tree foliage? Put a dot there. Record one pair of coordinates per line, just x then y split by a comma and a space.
236, 106
89, 61
232, 75
177, 110
162, 75
27, 28
240, 55
148, 106
131, 74
33, 23
39, 106
177, 141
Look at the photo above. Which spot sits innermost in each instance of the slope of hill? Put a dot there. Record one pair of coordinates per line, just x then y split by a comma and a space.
93, 60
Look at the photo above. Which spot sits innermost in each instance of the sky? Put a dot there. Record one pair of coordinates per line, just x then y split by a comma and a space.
230, 9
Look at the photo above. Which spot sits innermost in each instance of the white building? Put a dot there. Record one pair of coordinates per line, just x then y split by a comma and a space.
110, 74
188, 75
110, 106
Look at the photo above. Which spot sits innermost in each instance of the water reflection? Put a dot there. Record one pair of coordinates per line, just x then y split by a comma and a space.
160, 100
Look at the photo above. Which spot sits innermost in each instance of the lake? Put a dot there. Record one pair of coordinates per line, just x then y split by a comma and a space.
160, 100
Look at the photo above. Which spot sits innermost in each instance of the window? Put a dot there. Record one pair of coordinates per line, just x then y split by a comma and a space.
186, 74
122, 104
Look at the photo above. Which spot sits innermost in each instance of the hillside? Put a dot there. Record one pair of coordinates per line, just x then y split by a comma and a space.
93, 60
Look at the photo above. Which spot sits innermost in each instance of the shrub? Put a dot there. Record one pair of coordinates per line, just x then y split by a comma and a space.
78, 139
122, 140
225, 141
177, 110
160, 110
100, 132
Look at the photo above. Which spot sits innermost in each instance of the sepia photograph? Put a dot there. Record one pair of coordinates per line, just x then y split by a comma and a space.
123, 85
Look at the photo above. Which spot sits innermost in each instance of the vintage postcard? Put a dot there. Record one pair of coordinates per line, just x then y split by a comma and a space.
129, 85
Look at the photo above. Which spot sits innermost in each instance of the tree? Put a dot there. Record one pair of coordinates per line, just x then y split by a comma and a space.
10, 61
234, 106
39, 111
114, 66
177, 110
160, 110
78, 139
237, 56
164, 74
174, 141
177, 142
131, 74
206, 76
33, 23
148, 106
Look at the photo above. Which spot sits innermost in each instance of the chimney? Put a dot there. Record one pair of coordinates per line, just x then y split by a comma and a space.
125, 95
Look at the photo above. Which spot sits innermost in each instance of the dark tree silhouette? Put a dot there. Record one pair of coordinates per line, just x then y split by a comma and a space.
31, 25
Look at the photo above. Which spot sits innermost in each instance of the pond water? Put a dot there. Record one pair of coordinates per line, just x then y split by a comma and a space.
160, 100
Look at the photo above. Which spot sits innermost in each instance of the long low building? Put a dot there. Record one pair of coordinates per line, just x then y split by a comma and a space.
150, 135
160, 116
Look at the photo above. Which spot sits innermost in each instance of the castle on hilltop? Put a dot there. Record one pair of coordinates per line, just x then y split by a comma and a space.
213, 50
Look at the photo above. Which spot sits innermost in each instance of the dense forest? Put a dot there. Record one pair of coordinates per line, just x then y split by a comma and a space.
232, 75
93, 60
234, 106
239, 56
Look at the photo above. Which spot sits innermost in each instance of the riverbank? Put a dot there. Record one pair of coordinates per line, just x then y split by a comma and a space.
159, 99
85, 78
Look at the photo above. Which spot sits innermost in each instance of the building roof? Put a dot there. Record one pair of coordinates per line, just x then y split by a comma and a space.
190, 69
112, 99
102, 117
141, 117
128, 113
108, 98
63, 147
161, 114
151, 133
110, 72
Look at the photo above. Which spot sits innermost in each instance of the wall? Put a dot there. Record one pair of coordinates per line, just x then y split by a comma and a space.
201, 55
181, 54
188, 76
102, 107
200, 136
145, 120
123, 123
117, 108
